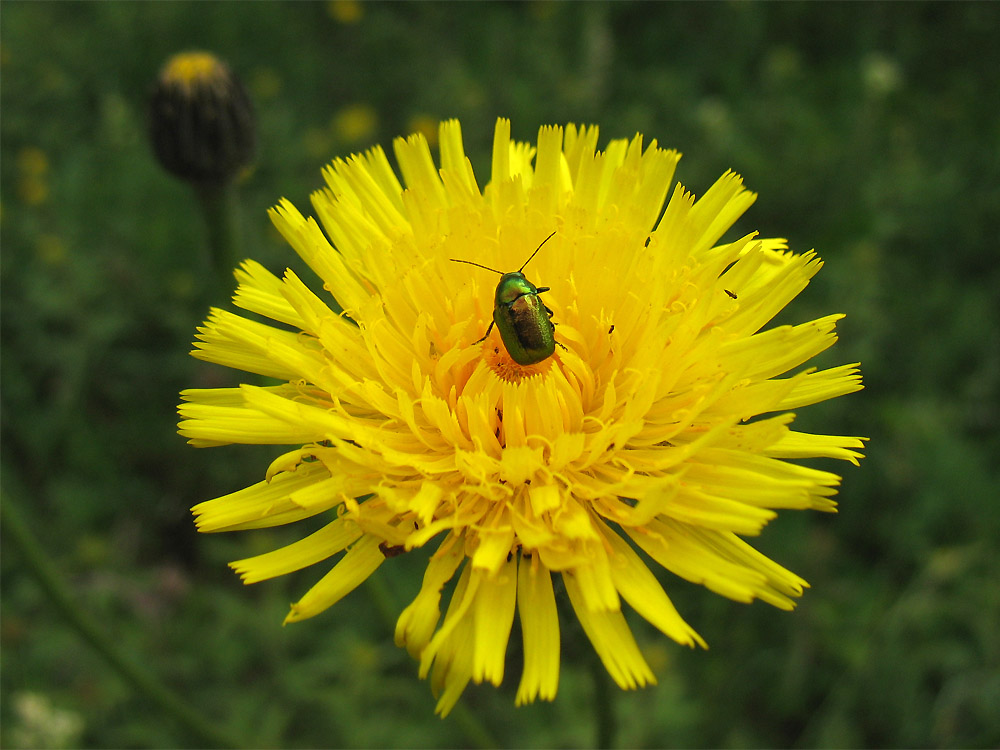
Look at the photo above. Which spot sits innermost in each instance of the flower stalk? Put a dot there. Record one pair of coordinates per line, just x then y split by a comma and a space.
605, 716
220, 209
16, 530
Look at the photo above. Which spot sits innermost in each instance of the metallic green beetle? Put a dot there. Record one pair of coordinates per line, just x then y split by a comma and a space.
524, 321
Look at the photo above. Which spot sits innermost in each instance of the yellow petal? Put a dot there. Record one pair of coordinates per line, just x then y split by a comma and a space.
536, 606
493, 614
416, 624
361, 561
640, 589
612, 640
316, 547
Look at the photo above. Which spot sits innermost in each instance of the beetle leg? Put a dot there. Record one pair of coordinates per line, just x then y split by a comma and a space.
487, 334
541, 289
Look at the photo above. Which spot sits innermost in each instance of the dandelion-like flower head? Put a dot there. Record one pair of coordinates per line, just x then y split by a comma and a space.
657, 430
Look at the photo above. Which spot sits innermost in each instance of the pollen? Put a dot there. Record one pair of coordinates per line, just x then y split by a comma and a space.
499, 361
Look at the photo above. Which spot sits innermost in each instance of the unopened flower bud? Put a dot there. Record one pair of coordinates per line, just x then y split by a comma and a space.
201, 119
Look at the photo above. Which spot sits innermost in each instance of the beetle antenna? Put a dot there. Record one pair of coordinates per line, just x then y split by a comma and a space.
480, 265
536, 252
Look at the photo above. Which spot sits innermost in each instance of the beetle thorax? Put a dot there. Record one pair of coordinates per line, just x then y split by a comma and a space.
513, 285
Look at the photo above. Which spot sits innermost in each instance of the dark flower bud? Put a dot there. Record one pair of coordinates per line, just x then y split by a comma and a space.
201, 119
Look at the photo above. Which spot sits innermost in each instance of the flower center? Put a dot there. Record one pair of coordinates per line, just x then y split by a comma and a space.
495, 355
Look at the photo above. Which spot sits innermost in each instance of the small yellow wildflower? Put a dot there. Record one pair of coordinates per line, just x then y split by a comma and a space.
427, 126
354, 123
655, 431
33, 168
345, 11
32, 162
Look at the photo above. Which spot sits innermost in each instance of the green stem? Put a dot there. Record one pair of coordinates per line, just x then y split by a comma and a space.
17, 532
604, 703
475, 731
219, 207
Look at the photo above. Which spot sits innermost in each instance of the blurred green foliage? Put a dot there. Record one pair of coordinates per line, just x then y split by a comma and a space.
871, 134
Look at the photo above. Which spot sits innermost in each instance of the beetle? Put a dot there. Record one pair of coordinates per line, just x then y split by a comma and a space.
524, 321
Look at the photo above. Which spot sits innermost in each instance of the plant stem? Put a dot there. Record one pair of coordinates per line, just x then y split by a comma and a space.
17, 532
219, 207
476, 732
604, 704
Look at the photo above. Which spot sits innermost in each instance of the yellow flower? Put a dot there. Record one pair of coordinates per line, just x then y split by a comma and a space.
345, 11
33, 168
354, 123
426, 125
657, 430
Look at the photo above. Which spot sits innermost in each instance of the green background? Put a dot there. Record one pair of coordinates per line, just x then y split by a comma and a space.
870, 132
